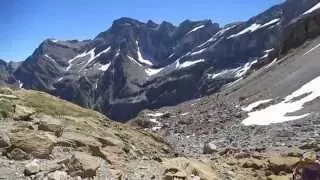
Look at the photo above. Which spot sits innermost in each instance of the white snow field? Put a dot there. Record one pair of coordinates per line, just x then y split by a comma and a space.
278, 113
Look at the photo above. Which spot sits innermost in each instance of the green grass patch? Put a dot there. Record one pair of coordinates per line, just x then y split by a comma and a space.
6, 108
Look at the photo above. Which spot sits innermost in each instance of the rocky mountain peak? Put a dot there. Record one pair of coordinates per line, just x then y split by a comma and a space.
126, 21
136, 65
2, 62
151, 24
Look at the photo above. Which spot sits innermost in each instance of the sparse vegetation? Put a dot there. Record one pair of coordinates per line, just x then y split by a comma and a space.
44, 103
6, 108
5, 90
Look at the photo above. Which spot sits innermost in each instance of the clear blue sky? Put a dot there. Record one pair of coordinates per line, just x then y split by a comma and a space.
24, 24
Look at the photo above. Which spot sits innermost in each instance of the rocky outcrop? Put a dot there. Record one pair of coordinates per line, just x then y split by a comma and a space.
6, 72
62, 139
300, 30
89, 145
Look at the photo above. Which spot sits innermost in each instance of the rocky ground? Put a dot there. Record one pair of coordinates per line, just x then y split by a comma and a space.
208, 126
43, 137
220, 122
234, 150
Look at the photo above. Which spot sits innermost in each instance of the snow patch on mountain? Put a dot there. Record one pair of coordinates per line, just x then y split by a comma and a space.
234, 72
269, 50
294, 102
158, 114
105, 67
152, 72
171, 55
50, 58
140, 57
92, 57
243, 70
224, 30
103, 52
91, 53
199, 52
251, 28
274, 21
220, 74
196, 29
60, 79
134, 61
215, 36
315, 7
20, 84
70, 62
54, 40
254, 27
272, 63
187, 63
312, 49
184, 114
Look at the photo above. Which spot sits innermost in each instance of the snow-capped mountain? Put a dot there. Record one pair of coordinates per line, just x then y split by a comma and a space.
135, 65
274, 107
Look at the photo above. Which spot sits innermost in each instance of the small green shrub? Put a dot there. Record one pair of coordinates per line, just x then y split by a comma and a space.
6, 108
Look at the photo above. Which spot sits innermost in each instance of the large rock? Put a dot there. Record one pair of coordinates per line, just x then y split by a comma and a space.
83, 164
309, 157
4, 140
18, 155
210, 148
32, 168
57, 129
73, 138
184, 168
253, 163
58, 175
282, 164
37, 143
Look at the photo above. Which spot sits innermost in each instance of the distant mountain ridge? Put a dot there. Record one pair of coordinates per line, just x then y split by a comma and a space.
135, 65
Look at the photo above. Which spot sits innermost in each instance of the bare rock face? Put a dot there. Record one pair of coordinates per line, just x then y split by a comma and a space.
6, 72
301, 30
